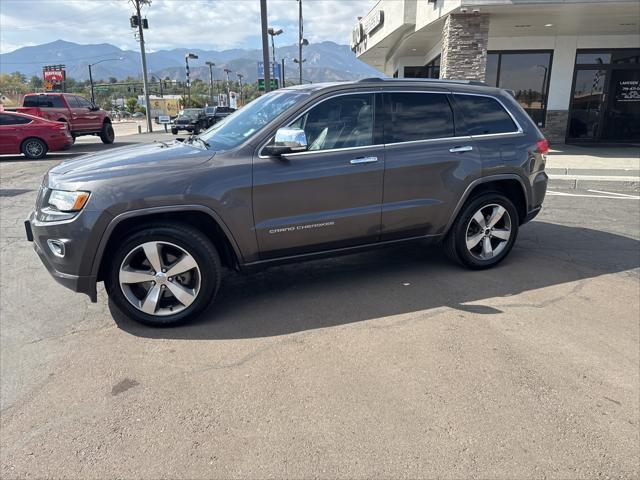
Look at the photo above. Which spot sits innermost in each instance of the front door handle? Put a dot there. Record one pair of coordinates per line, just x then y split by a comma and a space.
466, 148
356, 161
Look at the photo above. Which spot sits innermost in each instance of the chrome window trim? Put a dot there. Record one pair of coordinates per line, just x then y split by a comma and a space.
501, 103
430, 140
519, 130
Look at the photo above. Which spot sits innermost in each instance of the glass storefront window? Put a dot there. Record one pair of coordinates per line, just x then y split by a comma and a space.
430, 70
593, 58
527, 74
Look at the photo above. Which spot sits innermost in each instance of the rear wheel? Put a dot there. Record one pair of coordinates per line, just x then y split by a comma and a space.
164, 275
34, 148
107, 135
484, 232
174, 131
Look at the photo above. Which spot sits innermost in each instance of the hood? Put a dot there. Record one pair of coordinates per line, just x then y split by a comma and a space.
130, 160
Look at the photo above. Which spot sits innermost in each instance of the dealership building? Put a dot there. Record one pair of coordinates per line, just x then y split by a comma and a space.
574, 65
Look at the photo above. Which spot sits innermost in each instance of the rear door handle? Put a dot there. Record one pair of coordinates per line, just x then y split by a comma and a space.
356, 161
466, 148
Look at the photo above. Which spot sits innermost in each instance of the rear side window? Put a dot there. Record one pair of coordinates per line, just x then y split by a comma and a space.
484, 115
7, 119
43, 101
417, 116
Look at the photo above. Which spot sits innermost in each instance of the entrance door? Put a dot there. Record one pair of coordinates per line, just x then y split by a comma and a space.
587, 104
622, 113
605, 100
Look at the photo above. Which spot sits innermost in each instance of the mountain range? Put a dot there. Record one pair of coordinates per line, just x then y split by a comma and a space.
325, 61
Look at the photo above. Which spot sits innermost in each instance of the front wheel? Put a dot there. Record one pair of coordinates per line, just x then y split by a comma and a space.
107, 135
34, 148
484, 232
174, 131
164, 275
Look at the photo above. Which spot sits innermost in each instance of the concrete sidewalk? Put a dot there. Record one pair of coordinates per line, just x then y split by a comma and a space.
571, 166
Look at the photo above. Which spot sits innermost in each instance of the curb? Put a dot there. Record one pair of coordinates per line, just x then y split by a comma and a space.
597, 172
595, 182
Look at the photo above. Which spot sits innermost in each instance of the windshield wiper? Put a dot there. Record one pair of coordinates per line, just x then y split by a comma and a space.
195, 137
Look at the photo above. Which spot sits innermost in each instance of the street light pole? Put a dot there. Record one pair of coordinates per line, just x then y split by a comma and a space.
187, 56
274, 32
265, 46
211, 65
93, 97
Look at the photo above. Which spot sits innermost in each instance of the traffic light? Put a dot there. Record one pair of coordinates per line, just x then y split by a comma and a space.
135, 21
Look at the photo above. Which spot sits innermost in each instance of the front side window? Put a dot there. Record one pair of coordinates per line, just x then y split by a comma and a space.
340, 122
72, 100
417, 116
484, 115
82, 103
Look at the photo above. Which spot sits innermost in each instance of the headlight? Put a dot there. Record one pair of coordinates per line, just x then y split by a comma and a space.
68, 201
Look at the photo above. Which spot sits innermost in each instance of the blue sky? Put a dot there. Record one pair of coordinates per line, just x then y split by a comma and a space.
209, 24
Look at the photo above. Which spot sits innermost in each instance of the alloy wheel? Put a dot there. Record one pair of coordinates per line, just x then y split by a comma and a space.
34, 148
488, 232
159, 278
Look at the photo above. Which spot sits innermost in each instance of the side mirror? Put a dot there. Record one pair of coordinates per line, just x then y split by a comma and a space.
94, 108
287, 140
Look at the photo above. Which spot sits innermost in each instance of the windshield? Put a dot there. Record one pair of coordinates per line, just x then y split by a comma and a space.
243, 123
190, 112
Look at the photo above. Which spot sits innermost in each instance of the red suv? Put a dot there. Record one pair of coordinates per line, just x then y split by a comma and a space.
32, 136
82, 117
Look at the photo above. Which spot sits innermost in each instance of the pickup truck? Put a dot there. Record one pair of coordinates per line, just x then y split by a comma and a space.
82, 117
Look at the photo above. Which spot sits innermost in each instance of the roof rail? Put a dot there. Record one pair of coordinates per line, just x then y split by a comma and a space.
426, 80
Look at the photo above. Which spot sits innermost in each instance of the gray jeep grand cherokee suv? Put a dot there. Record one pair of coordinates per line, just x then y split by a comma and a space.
301, 172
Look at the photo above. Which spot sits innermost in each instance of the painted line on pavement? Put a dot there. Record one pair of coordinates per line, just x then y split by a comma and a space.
564, 194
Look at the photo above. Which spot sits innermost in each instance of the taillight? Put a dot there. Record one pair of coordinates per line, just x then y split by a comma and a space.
543, 146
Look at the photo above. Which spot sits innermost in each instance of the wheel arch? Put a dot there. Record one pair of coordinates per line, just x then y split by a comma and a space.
33, 137
511, 185
197, 216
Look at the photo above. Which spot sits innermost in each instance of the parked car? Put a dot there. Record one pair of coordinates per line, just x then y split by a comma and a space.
32, 136
190, 119
296, 174
215, 114
82, 117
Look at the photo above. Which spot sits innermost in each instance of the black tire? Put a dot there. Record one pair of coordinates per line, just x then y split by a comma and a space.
174, 131
455, 243
196, 130
192, 241
107, 135
34, 148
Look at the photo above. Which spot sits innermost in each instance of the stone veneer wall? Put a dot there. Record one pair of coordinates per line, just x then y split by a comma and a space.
555, 129
464, 47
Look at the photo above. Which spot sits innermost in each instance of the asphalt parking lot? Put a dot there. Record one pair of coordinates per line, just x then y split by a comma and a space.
394, 363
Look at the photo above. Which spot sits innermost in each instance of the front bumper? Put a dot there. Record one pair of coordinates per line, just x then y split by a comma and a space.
78, 283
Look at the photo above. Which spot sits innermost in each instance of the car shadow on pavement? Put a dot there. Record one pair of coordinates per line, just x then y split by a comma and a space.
398, 280
75, 151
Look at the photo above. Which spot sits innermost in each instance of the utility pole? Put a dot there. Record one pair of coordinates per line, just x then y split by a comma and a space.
274, 32
137, 21
265, 45
240, 77
300, 38
227, 71
211, 65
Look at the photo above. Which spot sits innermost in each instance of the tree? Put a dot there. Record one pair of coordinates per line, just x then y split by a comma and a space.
35, 83
113, 80
131, 104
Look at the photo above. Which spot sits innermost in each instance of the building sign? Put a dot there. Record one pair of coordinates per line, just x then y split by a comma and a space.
372, 22
365, 27
54, 77
628, 91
